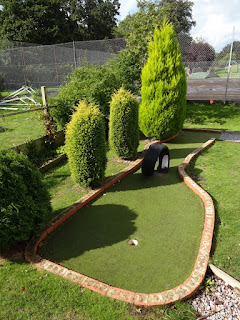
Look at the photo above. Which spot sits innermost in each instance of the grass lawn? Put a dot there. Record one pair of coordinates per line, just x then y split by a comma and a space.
19, 128
234, 73
217, 171
28, 293
213, 116
156, 211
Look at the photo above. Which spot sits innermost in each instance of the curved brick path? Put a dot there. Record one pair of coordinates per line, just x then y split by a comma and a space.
183, 291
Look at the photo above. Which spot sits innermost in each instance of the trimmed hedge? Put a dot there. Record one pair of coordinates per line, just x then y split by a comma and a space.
24, 202
86, 146
123, 124
163, 108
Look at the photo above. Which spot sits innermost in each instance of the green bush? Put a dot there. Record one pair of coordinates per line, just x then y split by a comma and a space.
86, 145
92, 83
126, 67
163, 107
123, 124
24, 202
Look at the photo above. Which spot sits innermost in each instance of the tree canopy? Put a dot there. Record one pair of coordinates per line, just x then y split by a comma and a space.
56, 21
225, 53
200, 51
138, 28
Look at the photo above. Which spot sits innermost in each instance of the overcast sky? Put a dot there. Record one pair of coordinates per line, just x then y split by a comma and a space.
215, 20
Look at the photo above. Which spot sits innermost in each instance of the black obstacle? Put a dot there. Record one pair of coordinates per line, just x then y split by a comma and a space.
157, 152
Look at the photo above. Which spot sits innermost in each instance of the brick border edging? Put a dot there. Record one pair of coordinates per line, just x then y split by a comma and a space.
183, 291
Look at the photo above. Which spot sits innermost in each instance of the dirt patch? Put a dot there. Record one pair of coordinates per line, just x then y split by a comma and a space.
15, 253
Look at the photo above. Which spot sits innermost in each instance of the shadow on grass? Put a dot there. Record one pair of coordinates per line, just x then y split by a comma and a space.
201, 114
93, 227
216, 226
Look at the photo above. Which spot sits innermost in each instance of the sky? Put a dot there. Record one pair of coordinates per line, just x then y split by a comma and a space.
215, 20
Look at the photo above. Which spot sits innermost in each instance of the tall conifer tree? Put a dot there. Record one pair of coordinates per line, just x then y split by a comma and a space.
163, 107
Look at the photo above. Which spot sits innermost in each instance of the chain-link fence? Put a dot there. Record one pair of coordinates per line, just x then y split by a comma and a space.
48, 65
210, 75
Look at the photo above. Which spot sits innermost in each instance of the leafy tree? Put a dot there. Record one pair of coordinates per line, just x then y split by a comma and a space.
200, 51
35, 21
95, 18
163, 107
138, 28
225, 52
57, 21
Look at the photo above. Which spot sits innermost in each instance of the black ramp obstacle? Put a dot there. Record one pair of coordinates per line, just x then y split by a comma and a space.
156, 152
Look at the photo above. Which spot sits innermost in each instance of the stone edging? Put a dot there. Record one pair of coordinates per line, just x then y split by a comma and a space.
183, 291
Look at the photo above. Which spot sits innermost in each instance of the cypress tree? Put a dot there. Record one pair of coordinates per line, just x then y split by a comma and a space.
86, 146
123, 124
163, 108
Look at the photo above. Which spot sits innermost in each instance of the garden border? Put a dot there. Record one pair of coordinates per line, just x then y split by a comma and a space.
181, 292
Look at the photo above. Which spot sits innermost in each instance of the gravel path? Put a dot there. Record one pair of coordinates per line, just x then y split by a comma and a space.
221, 302
230, 136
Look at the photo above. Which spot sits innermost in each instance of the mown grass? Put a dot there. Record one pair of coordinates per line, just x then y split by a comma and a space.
57, 298
17, 129
213, 116
234, 71
217, 171
140, 208
28, 293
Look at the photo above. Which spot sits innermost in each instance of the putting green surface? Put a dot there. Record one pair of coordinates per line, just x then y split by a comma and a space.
161, 212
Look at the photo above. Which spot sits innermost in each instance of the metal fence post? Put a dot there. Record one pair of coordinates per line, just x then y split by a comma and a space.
74, 55
229, 66
24, 66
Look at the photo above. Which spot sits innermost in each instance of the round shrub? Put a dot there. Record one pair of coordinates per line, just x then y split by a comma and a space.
86, 145
92, 83
24, 202
163, 108
123, 124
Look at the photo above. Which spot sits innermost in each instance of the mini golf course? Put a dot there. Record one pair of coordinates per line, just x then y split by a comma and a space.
165, 217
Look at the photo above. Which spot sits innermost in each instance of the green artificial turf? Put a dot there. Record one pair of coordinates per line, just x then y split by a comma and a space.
213, 116
64, 191
217, 171
161, 212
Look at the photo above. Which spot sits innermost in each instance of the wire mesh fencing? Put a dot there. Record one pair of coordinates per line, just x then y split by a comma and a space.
210, 75
48, 65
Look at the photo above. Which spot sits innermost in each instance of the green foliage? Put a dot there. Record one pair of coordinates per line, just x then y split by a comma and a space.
123, 125
225, 52
138, 28
92, 83
86, 145
163, 106
57, 21
126, 68
24, 202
